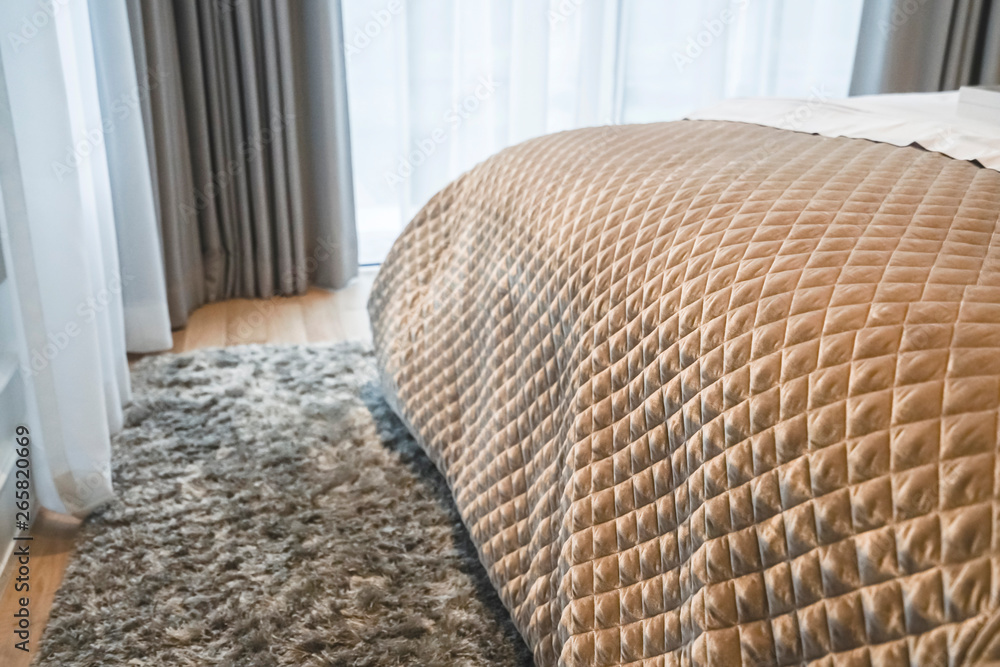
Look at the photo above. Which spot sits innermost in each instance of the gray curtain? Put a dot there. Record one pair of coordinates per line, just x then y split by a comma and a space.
246, 121
926, 45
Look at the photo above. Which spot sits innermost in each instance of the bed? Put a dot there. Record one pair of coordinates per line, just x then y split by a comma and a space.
716, 392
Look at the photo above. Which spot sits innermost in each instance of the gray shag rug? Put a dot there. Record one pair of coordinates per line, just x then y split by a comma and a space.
273, 511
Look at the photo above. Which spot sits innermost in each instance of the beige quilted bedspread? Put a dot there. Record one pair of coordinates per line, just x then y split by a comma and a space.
711, 393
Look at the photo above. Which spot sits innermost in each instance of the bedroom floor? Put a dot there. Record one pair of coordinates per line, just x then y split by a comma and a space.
319, 316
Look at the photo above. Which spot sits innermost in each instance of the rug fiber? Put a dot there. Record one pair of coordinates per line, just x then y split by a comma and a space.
273, 511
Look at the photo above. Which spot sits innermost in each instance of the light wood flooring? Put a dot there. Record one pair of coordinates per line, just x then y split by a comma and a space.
319, 316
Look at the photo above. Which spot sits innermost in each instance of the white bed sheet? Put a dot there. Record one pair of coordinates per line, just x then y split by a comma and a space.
930, 120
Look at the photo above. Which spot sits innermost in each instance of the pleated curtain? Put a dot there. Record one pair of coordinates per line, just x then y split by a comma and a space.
249, 146
438, 86
153, 155
908, 46
75, 197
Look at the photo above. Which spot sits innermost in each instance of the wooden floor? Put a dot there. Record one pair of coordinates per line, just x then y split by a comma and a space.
319, 316
49, 553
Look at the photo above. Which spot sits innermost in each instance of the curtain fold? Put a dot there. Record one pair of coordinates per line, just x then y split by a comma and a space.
436, 87
143, 290
324, 162
55, 181
909, 46
78, 209
250, 147
170, 157
154, 155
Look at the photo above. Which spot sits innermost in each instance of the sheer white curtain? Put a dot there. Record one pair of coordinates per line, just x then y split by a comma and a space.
73, 163
120, 90
437, 86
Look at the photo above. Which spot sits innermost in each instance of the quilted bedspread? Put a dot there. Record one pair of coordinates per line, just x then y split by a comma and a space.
712, 393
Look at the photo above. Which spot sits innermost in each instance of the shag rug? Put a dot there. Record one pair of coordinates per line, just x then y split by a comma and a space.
273, 511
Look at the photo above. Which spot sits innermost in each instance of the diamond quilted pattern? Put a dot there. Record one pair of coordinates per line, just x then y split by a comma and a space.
710, 393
